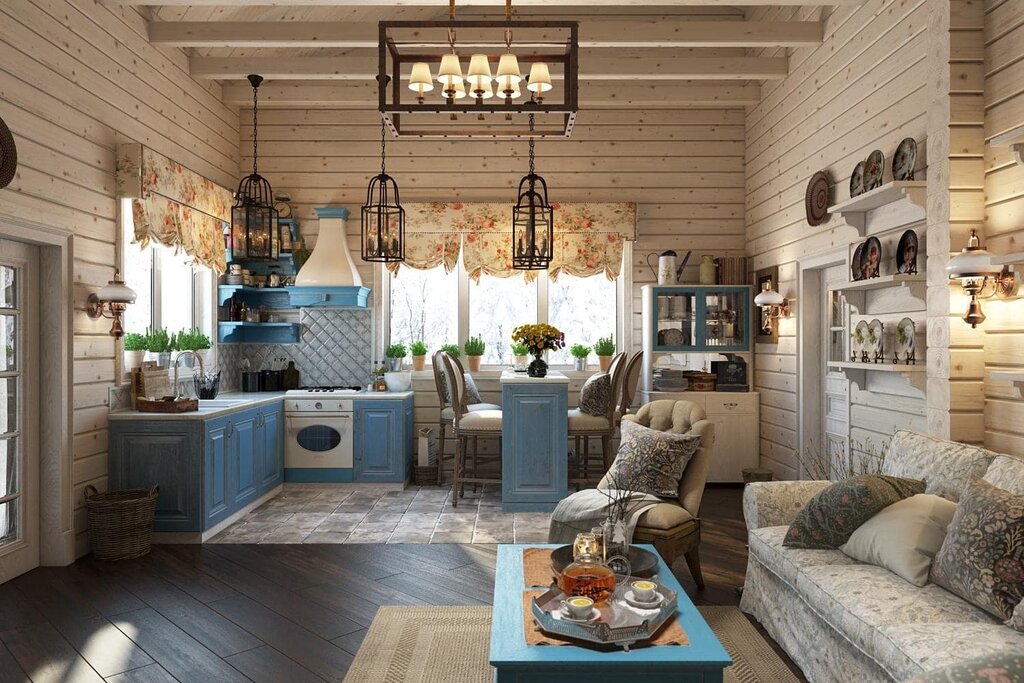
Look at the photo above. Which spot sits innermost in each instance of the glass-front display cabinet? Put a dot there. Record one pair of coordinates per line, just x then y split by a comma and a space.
709, 318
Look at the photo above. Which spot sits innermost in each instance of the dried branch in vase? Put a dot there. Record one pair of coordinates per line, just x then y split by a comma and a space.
864, 457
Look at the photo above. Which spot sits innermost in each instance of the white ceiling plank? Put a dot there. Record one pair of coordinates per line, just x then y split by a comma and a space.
363, 95
621, 34
484, 3
594, 66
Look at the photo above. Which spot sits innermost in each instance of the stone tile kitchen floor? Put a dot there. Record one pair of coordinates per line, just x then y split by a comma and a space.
349, 513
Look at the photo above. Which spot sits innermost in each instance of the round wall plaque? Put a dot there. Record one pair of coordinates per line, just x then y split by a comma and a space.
8, 155
816, 199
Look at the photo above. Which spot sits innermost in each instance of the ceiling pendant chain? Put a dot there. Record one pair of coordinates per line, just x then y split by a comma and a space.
532, 146
255, 127
382, 147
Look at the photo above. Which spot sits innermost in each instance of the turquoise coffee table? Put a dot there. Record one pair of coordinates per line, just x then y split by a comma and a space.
702, 661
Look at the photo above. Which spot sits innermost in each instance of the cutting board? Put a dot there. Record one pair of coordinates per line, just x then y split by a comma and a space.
150, 382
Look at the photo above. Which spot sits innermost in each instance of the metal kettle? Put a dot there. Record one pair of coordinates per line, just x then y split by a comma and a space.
667, 273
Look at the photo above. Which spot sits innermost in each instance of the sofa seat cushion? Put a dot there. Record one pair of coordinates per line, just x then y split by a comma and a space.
864, 603
991, 666
766, 546
449, 413
925, 647
945, 466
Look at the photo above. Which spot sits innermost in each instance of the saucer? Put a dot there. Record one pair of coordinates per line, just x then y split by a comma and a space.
594, 614
653, 604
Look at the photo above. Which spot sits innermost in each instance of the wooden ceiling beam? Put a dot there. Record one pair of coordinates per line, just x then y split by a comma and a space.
618, 34
363, 95
625, 4
594, 66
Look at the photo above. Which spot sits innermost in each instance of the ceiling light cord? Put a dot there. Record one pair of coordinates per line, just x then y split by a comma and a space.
382, 148
532, 146
255, 127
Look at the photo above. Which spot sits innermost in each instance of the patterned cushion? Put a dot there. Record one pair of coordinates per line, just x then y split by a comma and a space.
596, 394
833, 514
472, 393
945, 466
982, 558
1017, 620
1007, 472
1000, 667
650, 461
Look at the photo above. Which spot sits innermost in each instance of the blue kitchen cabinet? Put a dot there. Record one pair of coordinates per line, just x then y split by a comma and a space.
534, 436
216, 471
382, 442
246, 449
271, 455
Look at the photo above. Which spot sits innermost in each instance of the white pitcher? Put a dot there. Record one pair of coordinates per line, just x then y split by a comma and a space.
666, 270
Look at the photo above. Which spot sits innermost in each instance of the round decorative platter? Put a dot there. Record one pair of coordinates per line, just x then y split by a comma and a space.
906, 253
874, 339
871, 258
905, 331
857, 180
873, 170
8, 155
816, 199
904, 159
860, 338
855, 271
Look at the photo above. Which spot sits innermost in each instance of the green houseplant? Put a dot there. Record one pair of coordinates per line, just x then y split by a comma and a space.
134, 349
474, 348
579, 354
419, 355
520, 355
161, 343
395, 353
605, 349
451, 349
191, 340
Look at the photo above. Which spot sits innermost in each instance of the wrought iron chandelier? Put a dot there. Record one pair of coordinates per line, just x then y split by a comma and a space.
409, 50
533, 221
255, 233
383, 218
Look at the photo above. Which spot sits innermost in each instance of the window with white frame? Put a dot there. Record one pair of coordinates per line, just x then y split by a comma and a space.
173, 293
441, 308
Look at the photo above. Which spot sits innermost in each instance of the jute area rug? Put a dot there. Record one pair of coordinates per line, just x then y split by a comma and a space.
451, 645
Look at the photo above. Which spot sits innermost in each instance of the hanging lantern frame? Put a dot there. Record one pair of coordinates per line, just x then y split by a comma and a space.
533, 225
255, 229
382, 218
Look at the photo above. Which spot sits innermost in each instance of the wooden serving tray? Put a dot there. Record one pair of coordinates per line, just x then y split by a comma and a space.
167, 404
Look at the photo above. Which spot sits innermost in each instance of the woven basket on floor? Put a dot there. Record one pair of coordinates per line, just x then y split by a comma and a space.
120, 522
424, 476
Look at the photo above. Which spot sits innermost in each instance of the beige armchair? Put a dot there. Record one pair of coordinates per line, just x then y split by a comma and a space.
673, 527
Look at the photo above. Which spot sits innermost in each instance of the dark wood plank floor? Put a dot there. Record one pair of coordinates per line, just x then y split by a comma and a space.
290, 613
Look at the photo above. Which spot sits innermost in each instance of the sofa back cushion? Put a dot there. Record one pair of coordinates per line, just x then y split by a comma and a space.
1007, 472
944, 466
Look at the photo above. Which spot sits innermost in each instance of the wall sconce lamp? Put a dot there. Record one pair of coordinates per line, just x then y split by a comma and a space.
980, 278
110, 302
772, 304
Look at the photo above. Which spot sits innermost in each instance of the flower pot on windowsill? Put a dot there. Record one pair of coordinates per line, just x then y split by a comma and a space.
579, 364
134, 359
474, 363
520, 362
605, 362
419, 363
395, 364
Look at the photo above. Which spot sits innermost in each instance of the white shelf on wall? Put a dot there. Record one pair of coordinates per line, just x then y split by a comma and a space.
914, 374
884, 281
1014, 139
852, 210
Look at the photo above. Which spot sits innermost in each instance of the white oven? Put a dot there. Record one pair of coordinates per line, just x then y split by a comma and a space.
318, 436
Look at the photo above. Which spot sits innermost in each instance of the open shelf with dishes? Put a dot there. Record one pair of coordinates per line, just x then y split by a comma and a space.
236, 332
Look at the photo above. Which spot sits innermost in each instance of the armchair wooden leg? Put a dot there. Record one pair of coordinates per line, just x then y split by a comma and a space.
606, 447
440, 454
693, 564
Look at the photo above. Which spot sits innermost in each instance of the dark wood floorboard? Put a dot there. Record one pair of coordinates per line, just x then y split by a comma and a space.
291, 613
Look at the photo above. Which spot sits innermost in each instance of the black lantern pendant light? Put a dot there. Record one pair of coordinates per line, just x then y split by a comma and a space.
254, 228
383, 218
533, 221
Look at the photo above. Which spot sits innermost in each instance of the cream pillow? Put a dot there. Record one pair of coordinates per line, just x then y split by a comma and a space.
904, 537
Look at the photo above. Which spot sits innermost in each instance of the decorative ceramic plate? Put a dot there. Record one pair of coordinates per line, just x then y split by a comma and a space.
874, 339
903, 160
860, 338
855, 271
857, 180
906, 253
671, 337
873, 170
816, 199
905, 331
8, 155
871, 258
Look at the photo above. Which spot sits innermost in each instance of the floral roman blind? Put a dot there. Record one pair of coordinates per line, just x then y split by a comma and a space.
588, 238
173, 205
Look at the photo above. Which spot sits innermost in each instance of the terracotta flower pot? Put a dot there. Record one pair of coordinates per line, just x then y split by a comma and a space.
419, 362
605, 362
474, 363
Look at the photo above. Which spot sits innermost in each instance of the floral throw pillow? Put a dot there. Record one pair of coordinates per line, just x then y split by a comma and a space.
650, 461
472, 393
982, 558
596, 394
828, 519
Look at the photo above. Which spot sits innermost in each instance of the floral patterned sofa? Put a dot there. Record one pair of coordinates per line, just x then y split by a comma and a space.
842, 620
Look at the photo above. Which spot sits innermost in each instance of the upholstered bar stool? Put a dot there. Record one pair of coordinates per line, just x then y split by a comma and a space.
583, 426
447, 412
466, 424
630, 377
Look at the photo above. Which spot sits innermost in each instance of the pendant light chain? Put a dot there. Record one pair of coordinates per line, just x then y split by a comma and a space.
382, 147
255, 127
532, 146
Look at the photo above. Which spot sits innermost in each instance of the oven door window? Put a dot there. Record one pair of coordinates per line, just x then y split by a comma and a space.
318, 438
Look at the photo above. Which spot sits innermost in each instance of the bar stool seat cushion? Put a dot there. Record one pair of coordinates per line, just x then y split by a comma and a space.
481, 421
581, 422
449, 412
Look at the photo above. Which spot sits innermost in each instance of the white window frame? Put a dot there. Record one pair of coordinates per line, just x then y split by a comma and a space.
623, 307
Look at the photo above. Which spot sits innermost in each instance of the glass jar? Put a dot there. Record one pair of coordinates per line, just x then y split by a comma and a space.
588, 576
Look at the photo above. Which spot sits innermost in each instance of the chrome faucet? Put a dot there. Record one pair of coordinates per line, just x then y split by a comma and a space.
177, 387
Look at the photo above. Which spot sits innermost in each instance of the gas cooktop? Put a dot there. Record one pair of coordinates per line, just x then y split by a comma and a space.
346, 389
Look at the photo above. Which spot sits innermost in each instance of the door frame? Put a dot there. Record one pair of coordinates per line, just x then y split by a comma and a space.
810, 376
56, 282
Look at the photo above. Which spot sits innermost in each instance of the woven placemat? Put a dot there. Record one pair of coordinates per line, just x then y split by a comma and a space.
537, 569
671, 633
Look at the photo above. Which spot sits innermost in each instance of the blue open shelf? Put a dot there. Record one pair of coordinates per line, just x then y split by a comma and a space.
258, 333
296, 297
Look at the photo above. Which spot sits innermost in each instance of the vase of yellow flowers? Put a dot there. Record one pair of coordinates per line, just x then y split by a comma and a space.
538, 338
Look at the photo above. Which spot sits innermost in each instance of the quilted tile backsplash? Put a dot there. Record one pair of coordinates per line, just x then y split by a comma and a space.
335, 349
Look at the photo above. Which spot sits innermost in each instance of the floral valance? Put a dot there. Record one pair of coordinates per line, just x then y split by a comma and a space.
173, 205
588, 238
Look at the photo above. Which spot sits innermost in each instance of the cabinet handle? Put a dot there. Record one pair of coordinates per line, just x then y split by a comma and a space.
731, 405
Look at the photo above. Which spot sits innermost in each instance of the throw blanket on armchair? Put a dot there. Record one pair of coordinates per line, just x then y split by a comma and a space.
584, 510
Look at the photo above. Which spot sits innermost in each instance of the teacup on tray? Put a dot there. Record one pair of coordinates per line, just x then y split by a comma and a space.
645, 591
578, 607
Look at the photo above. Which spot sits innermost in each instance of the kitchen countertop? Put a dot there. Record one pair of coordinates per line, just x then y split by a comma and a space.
513, 377
242, 401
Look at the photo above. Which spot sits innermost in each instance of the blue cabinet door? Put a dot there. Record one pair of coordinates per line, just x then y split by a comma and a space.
246, 446
271, 460
534, 457
217, 449
378, 453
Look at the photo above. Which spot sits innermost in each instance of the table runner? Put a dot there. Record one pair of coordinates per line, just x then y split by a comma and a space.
671, 633
537, 570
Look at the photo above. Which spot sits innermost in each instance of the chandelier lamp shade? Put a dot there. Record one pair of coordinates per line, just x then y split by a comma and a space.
487, 98
980, 278
382, 216
533, 222
255, 232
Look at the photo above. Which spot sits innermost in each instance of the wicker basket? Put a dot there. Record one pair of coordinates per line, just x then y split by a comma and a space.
120, 522
424, 475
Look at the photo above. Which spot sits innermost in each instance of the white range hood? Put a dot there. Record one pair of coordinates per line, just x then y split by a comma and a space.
330, 264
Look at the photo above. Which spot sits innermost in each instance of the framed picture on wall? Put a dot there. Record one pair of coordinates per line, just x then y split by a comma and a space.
767, 327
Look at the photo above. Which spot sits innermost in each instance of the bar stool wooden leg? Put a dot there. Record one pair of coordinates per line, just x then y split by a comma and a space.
457, 470
440, 454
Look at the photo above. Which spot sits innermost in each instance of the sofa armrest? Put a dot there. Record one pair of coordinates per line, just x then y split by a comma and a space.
775, 503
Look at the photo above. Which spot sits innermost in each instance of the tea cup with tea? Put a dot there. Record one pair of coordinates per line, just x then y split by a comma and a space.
578, 607
645, 591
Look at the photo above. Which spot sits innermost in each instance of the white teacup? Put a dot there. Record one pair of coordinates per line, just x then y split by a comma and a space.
644, 591
578, 607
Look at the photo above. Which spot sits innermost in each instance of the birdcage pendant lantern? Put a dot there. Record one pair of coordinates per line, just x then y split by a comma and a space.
383, 218
255, 232
533, 222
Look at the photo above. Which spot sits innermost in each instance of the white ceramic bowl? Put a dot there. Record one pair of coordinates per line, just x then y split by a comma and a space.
398, 381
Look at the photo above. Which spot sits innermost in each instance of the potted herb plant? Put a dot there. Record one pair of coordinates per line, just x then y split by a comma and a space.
134, 349
158, 341
520, 354
474, 348
605, 349
419, 355
395, 353
451, 349
579, 354
192, 340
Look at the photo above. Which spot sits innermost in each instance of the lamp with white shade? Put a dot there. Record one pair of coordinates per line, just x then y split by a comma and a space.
420, 81
980, 278
110, 302
773, 304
